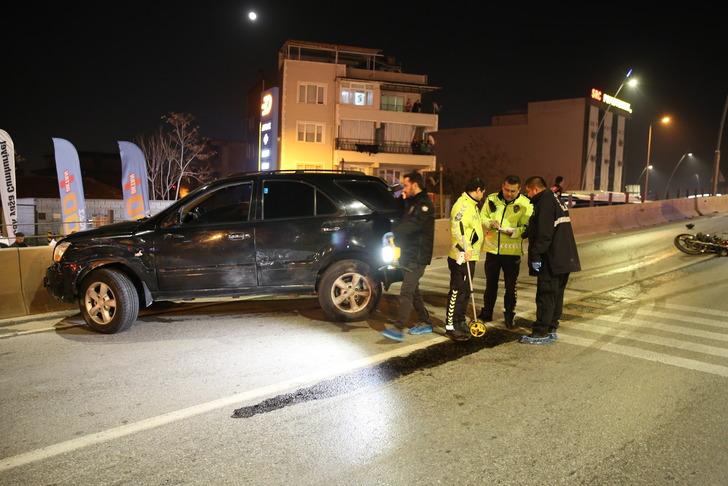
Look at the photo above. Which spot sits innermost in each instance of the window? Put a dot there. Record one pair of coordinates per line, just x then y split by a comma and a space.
306, 166
310, 93
392, 103
358, 94
288, 199
229, 204
324, 205
310, 132
392, 176
374, 194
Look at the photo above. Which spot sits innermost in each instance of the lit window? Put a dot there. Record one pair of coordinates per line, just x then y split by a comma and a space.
310, 132
358, 94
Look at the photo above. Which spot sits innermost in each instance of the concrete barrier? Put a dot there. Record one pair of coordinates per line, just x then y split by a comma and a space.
712, 204
606, 219
33, 264
11, 300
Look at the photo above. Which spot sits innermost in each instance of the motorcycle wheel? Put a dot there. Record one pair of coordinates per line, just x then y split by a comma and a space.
686, 243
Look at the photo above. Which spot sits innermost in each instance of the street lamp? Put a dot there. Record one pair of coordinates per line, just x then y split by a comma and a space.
665, 120
631, 83
700, 189
667, 187
716, 157
649, 167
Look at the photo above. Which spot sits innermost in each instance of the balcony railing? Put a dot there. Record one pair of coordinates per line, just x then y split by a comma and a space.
372, 147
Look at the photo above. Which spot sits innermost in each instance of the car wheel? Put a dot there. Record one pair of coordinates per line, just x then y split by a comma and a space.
108, 301
348, 292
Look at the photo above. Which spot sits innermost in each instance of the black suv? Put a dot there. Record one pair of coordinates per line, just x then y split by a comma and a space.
259, 233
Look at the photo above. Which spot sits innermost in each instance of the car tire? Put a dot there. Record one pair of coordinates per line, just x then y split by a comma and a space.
348, 291
108, 301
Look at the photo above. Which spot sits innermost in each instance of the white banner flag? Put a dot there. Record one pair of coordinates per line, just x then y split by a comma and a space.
7, 187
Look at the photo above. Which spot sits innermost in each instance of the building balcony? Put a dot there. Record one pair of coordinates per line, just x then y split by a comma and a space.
351, 112
371, 147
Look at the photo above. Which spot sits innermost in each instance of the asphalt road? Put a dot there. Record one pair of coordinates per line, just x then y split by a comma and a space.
269, 392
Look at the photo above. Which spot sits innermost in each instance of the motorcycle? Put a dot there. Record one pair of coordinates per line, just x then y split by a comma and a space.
701, 243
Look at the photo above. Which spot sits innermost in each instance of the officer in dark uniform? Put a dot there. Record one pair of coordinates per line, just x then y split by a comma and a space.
415, 235
552, 256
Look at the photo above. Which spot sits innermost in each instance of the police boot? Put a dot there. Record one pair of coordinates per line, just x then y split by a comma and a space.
485, 316
509, 317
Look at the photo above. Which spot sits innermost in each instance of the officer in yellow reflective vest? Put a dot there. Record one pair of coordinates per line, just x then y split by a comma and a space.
505, 216
466, 238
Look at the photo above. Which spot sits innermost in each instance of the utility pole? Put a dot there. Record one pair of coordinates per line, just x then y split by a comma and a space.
716, 160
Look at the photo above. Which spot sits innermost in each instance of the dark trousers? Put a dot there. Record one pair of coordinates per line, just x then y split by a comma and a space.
457, 298
510, 264
409, 295
549, 299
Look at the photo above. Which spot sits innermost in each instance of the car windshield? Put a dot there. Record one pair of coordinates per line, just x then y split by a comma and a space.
372, 193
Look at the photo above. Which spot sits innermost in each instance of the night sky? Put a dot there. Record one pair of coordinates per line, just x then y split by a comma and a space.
103, 72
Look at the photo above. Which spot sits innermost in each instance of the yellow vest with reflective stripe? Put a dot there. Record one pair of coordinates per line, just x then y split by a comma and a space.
465, 210
514, 214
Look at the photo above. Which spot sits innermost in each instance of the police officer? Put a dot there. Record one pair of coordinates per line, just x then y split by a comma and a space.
552, 256
466, 237
505, 215
415, 235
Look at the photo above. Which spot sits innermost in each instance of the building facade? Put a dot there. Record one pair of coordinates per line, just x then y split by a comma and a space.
552, 138
351, 108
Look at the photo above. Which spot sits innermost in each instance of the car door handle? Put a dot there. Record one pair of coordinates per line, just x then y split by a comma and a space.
331, 226
173, 236
238, 236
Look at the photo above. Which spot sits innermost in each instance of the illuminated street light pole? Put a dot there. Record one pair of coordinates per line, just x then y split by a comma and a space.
649, 167
716, 160
667, 187
665, 120
632, 83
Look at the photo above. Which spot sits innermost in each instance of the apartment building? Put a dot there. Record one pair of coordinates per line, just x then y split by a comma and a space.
344, 107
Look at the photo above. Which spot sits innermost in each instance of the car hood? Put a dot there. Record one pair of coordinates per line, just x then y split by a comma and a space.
125, 228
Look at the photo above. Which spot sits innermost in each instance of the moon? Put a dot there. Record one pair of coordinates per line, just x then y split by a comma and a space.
252, 16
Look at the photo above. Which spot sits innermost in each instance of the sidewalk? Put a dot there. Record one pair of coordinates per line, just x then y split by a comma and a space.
18, 326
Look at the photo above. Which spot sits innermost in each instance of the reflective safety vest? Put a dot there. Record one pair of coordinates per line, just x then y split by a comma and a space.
465, 211
513, 214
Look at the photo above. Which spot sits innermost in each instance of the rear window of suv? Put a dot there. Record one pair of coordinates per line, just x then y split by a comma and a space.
374, 194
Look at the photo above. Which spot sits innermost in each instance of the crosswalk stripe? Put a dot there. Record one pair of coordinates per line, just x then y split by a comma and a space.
673, 316
651, 325
634, 352
689, 308
646, 338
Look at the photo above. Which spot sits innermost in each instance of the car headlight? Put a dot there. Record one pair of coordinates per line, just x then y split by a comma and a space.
388, 254
59, 250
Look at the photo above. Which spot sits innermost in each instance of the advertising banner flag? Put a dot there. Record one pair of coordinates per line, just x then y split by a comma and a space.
134, 182
8, 189
73, 203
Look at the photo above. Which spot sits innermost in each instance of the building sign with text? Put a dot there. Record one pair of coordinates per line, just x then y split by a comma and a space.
268, 136
599, 95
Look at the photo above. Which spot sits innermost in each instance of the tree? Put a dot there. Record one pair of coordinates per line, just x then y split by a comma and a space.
476, 158
175, 154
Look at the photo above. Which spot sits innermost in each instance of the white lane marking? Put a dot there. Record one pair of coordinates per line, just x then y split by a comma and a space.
682, 317
633, 335
633, 352
651, 325
623, 267
690, 308
238, 399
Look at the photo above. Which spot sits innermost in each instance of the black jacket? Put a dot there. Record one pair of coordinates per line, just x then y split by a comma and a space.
550, 235
415, 233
